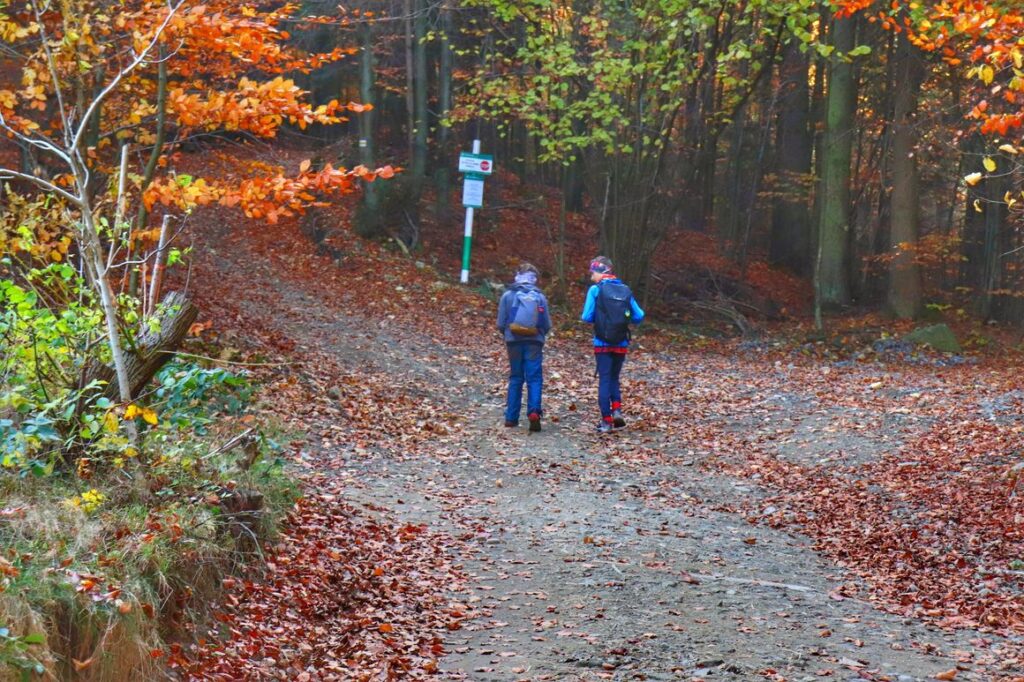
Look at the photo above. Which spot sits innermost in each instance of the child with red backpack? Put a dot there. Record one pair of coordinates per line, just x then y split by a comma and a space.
524, 321
611, 308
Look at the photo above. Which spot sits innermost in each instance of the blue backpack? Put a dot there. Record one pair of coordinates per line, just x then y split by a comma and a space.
525, 314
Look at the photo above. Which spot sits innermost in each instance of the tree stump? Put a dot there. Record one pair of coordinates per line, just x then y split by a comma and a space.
242, 510
154, 347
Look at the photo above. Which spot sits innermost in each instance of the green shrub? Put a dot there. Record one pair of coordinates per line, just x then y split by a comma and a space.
110, 543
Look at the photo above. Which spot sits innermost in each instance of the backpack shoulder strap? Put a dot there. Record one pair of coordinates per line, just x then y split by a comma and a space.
510, 305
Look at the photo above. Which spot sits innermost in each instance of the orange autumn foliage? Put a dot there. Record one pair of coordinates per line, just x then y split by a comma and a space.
986, 36
267, 198
225, 69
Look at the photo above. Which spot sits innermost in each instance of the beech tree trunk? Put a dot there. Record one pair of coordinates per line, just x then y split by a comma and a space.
832, 287
904, 298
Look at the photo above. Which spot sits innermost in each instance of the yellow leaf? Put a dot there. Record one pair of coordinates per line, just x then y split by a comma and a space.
977, 206
149, 416
973, 179
990, 165
1009, 149
110, 422
132, 411
988, 74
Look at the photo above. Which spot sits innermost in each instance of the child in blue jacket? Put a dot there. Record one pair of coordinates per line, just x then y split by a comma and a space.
524, 321
609, 352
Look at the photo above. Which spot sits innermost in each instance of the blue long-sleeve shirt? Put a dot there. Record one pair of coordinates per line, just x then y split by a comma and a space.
590, 304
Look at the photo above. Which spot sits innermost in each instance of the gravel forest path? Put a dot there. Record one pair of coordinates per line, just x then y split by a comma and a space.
623, 557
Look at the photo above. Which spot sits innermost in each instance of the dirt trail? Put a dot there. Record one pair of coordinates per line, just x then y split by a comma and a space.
604, 558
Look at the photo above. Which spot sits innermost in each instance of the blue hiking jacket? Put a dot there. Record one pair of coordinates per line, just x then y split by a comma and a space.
508, 299
590, 304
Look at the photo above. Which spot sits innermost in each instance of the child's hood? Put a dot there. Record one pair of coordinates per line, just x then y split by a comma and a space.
517, 286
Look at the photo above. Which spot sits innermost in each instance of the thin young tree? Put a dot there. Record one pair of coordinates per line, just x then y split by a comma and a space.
70, 149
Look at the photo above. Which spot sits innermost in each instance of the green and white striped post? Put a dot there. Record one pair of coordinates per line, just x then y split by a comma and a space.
467, 245
467, 239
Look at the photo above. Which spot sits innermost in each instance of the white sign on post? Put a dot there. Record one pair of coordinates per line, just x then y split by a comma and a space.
473, 192
475, 167
481, 164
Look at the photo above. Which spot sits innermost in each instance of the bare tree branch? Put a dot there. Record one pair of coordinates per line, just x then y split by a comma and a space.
44, 184
40, 142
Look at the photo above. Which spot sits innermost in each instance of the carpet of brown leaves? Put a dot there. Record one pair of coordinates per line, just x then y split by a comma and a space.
929, 526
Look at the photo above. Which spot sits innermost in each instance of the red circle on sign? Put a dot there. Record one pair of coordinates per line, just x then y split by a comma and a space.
485, 165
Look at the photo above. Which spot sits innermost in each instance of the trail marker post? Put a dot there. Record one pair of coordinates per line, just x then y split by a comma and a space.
475, 167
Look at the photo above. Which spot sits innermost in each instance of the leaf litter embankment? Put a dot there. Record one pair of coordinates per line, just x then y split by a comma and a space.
928, 518
348, 593
404, 397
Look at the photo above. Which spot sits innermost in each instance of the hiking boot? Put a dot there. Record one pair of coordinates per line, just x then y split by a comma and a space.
618, 421
534, 422
511, 424
604, 426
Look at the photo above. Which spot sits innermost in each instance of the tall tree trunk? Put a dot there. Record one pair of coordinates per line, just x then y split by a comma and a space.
530, 170
818, 110
765, 127
419, 149
563, 216
369, 223
708, 129
972, 243
574, 188
444, 98
995, 211
832, 287
904, 297
873, 208
791, 220
410, 78
707, 159
731, 214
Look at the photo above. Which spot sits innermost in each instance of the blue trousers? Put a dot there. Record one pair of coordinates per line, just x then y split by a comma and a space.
526, 366
609, 366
